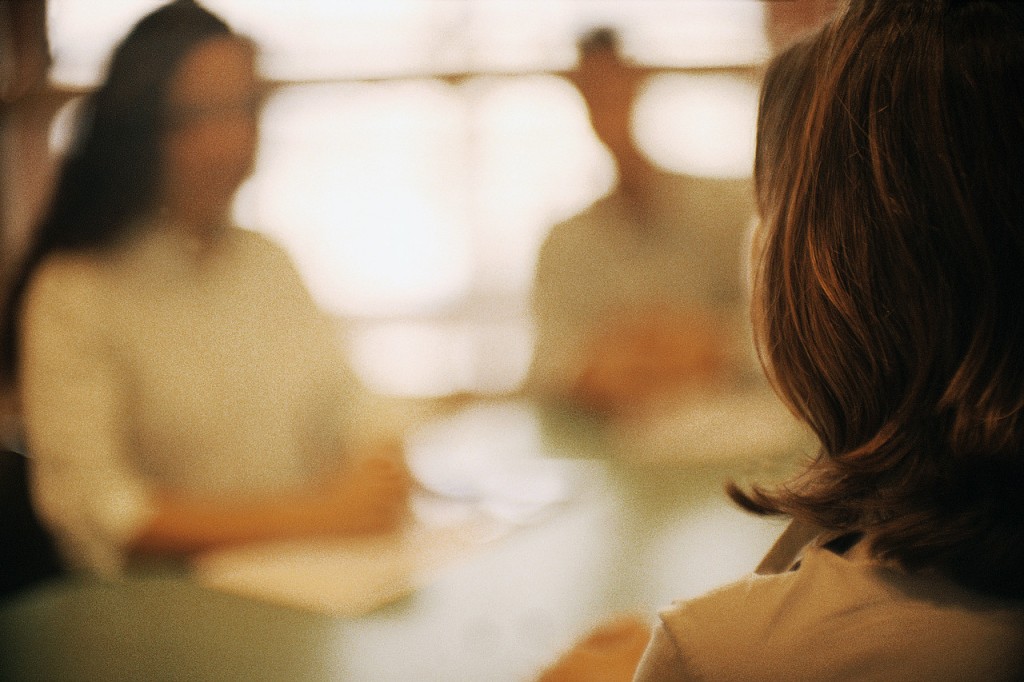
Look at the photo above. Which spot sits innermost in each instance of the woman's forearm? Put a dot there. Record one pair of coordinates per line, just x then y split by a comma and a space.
371, 497
183, 525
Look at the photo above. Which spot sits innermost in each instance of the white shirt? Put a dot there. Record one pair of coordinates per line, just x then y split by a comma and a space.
166, 364
608, 262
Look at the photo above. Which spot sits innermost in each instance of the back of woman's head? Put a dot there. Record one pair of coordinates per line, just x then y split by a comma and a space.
889, 304
111, 174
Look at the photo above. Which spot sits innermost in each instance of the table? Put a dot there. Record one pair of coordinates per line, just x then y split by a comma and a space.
630, 536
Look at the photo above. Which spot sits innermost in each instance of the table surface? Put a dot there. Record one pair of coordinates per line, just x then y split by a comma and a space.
629, 536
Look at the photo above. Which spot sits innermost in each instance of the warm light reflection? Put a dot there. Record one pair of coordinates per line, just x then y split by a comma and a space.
700, 125
366, 187
536, 163
83, 32
691, 33
427, 199
328, 39
419, 359
62, 127
417, 198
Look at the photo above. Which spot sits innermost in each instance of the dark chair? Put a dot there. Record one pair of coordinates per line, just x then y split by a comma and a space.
27, 552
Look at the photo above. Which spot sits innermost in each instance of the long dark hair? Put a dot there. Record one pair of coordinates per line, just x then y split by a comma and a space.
889, 301
111, 174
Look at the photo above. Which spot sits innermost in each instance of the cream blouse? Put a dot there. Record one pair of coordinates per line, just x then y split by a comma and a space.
838, 617
167, 364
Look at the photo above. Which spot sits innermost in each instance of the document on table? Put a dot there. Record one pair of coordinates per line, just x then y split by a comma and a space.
347, 576
475, 488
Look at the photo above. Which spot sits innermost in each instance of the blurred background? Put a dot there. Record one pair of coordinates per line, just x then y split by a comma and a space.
415, 153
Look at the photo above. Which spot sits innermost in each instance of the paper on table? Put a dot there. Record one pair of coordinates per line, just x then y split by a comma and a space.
480, 476
350, 576
353, 576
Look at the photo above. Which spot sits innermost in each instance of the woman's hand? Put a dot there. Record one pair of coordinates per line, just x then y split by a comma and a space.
651, 355
371, 497
610, 653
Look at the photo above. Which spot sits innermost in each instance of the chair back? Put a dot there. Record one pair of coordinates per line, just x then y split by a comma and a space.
27, 551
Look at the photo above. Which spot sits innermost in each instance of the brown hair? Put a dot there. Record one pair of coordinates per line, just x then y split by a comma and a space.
111, 175
889, 299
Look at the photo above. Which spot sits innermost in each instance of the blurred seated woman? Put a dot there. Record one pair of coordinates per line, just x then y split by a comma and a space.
180, 389
888, 313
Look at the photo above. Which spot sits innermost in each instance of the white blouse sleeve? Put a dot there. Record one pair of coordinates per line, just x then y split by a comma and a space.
76, 420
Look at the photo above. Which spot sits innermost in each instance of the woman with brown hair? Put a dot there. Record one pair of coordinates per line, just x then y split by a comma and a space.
888, 312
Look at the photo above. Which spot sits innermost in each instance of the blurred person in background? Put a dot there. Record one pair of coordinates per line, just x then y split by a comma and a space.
639, 297
180, 389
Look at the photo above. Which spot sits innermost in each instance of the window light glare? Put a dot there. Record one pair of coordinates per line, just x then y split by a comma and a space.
361, 184
700, 125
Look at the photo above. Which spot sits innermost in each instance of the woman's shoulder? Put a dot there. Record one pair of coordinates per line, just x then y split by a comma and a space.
259, 249
252, 239
260, 258
70, 289
825, 585
860, 612
66, 273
